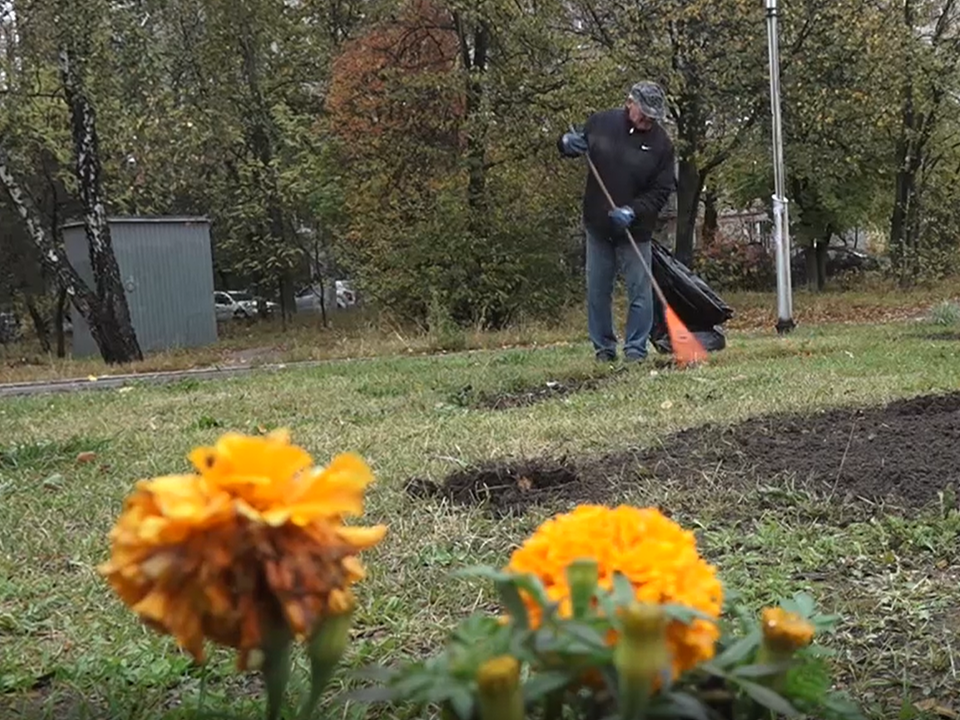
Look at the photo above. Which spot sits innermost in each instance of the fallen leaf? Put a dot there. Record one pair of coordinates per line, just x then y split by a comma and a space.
86, 457
54, 482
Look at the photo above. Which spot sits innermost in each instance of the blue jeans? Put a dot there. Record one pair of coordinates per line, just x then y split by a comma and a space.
603, 255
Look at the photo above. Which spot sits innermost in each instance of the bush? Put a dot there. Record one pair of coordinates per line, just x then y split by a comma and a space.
730, 264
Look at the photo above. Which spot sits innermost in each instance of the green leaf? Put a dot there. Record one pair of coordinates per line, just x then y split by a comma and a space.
589, 637
371, 695
801, 603
685, 614
739, 651
513, 603
842, 706
681, 704
623, 593
544, 683
764, 670
462, 702
768, 698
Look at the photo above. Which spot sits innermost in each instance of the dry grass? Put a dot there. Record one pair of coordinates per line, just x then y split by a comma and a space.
68, 648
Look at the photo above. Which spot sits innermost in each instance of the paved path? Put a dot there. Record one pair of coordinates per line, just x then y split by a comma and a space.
112, 382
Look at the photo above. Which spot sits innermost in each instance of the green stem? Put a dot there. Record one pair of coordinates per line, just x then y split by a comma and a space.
276, 669
325, 650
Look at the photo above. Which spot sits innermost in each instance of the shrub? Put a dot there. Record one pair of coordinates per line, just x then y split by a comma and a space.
731, 264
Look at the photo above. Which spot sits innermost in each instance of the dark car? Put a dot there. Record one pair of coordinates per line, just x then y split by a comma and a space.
841, 260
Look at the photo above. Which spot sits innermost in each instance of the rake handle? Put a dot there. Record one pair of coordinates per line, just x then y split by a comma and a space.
613, 206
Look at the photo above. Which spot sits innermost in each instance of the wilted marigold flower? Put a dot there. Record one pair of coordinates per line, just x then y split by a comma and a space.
658, 557
254, 539
785, 632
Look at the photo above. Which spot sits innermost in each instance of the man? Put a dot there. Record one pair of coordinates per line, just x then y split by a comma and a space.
635, 158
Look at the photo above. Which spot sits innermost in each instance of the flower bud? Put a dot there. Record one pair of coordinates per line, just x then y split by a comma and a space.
500, 696
582, 578
783, 634
641, 656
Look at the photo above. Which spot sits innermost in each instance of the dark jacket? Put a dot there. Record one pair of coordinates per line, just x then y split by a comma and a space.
637, 168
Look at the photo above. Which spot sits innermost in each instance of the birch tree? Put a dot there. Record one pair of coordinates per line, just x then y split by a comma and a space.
73, 28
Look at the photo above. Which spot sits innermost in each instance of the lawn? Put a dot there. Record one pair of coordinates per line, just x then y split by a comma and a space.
363, 333
852, 506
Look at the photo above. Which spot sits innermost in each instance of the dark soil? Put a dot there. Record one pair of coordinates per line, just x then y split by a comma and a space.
941, 336
522, 397
904, 453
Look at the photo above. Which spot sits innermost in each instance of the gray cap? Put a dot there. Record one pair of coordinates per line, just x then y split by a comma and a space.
650, 98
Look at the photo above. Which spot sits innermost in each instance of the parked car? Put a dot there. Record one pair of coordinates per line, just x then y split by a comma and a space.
237, 305
841, 260
308, 299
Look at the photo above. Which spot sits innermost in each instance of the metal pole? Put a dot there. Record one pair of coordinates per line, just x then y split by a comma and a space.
781, 217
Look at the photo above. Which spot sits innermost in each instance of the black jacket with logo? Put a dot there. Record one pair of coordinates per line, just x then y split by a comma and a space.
637, 167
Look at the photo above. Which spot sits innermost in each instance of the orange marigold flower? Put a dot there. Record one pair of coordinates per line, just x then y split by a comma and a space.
785, 632
255, 539
658, 557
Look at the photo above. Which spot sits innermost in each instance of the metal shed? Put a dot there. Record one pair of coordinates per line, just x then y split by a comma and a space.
166, 265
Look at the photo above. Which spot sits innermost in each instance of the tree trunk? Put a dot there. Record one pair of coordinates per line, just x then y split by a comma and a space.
49, 253
474, 49
711, 218
821, 255
689, 187
58, 320
40, 325
260, 135
117, 338
810, 267
85, 301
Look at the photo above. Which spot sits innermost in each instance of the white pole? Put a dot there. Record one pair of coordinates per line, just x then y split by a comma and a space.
781, 216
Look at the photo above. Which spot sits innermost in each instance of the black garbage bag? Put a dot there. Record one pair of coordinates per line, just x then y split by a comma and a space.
690, 297
712, 339
699, 307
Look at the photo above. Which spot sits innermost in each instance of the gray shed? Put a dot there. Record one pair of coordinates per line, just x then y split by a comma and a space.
166, 265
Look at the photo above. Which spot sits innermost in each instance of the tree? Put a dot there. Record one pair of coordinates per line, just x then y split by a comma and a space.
447, 114
837, 113
74, 28
927, 66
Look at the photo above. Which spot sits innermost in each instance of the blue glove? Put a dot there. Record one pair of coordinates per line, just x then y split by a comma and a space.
622, 217
574, 144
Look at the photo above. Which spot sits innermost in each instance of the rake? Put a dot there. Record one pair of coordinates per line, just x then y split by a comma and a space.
687, 350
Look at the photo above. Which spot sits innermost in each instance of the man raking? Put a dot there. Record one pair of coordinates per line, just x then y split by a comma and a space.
635, 157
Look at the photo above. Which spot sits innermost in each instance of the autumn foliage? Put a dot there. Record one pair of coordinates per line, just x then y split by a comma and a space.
394, 82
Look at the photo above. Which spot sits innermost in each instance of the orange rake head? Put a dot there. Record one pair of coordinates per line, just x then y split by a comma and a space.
686, 348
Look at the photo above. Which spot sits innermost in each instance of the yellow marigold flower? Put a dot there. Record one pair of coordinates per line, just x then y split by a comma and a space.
785, 632
255, 538
658, 557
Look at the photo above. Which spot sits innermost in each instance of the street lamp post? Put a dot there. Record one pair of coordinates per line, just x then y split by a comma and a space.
781, 217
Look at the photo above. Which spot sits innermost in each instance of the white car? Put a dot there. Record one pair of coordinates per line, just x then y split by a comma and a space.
308, 299
237, 304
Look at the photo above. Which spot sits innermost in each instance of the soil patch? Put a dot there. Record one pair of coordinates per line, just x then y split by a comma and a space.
531, 395
905, 453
